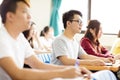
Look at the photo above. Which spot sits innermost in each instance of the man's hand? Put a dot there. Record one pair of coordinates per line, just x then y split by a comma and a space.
109, 60
85, 72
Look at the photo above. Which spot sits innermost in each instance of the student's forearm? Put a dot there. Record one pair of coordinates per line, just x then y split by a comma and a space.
89, 57
28, 74
48, 66
52, 67
84, 62
68, 61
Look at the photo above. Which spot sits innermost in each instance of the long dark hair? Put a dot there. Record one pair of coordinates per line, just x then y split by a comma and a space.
26, 33
93, 24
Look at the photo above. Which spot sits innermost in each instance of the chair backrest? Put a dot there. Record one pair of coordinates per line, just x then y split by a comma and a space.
45, 57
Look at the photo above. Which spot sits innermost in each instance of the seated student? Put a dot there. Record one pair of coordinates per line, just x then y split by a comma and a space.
47, 37
33, 38
66, 49
15, 49
116, 45
90, 42
37, 44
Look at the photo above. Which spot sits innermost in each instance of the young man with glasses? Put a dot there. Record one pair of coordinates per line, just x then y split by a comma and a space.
66, 49
15, 49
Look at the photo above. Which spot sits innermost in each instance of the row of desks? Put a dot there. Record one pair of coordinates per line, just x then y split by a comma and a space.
115, 67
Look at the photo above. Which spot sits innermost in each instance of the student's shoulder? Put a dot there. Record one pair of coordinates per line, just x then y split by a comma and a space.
41, 37
84, 39
59, 37
4, 36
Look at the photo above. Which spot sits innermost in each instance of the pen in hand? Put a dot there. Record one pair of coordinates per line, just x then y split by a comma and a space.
77, 63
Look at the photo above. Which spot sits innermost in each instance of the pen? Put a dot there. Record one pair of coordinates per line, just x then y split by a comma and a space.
77, 63
93, 78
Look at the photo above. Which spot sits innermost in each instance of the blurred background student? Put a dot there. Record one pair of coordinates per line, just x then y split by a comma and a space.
33, 38
116, 45
91, 44
47, 37
40, 44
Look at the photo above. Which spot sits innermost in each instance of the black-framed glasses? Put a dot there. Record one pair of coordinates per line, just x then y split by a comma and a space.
79, 21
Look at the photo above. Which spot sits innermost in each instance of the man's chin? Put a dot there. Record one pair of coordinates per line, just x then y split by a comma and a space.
26, 29
79, 31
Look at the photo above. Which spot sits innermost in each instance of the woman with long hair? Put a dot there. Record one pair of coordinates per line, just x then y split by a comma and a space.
90, 42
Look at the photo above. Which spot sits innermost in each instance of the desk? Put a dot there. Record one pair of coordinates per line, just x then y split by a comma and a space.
78, 78
114, 67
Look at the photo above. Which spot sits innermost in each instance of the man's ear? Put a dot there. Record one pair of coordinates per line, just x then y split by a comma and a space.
9, 16
68, 23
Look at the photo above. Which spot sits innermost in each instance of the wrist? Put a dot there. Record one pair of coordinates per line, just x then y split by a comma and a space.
77, 63
61, 74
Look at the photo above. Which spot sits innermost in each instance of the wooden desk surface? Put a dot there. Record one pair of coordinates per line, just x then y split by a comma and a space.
113, 68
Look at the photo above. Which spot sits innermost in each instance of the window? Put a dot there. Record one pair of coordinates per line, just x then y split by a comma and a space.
81, 5
107, 12
0, 16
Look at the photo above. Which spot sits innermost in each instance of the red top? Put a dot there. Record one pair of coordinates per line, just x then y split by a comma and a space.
91, 49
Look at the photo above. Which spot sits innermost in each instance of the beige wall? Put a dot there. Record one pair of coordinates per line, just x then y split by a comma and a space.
41, 11
106, 40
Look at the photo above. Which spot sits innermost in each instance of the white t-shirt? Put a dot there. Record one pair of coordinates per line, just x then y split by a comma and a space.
64, 46
46, 42
18, 50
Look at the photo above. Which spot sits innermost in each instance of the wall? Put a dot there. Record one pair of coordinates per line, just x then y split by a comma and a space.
0, 16
106, 40
41, 11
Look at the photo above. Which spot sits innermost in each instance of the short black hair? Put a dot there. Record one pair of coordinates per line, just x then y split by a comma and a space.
67, 16
9, 6
45, 30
